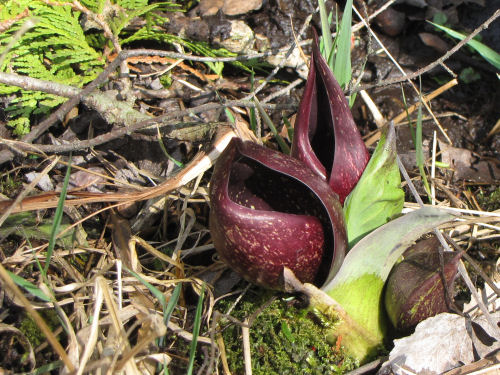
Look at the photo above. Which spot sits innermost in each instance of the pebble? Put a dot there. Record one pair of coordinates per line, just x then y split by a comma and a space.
229, 7
241, 39
391, 22
237, 7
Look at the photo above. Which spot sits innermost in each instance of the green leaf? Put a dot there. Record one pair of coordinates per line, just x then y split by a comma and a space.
358, 285
326, 34
196, 331
29, 287
57, 217
488, 54
28, 226
342, 70
378, 196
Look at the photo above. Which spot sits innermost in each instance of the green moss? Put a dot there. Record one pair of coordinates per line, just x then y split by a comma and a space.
31, 330
284, 340
9, 184
489, 201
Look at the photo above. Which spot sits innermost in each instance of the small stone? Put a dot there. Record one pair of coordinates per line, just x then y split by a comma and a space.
209, 7
45, 183
294, 61
262, 43
241, 39
156, 84
237, 7
391, 22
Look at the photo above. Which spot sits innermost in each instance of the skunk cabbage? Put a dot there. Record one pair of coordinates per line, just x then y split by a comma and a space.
325, 135
270, 211
359, 284
415, 289
278, 220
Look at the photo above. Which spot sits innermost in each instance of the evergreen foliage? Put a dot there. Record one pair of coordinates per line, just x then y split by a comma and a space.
64, 46
55, 49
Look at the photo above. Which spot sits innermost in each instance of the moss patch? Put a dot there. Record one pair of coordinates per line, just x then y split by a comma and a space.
489, 201
31, 330
284, 339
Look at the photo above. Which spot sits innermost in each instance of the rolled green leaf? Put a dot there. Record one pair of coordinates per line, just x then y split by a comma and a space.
378, 197
358, 285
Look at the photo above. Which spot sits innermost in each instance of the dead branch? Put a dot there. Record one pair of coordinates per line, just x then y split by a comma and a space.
432, 65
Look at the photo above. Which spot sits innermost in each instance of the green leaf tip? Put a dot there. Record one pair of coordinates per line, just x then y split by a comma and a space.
378, 197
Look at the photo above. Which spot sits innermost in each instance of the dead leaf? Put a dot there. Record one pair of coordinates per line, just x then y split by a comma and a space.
469, 166
441, 343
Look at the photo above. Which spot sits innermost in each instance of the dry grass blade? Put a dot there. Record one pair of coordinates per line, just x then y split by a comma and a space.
7, 281
200, 163
120, 343
94, 329
495, 129
425, 99
245, 330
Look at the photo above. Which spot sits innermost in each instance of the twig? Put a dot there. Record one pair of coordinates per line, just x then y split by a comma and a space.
126, 130
432, 65
283, 91
404, 73
128, 116
35, 84
397, 120
247, 356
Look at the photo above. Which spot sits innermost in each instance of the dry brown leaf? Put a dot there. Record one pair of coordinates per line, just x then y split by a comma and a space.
440, 344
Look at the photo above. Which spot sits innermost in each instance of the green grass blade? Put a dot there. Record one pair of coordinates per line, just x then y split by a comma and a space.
230, 116
29, 287
164, 149
289, 128
158, 295
46, 369
196, 331
281, 142
57, 217
326, 34
342, 70
253, 116
408, 118
172, 302
486, 52
419, 151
